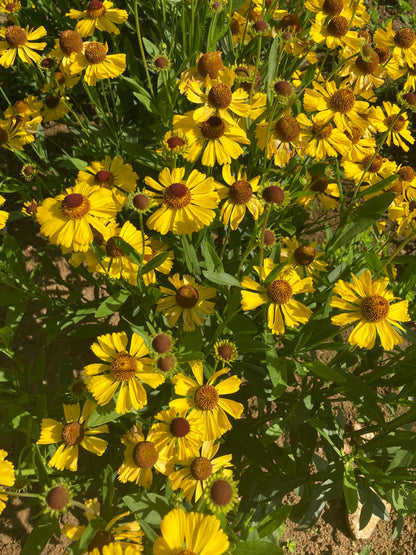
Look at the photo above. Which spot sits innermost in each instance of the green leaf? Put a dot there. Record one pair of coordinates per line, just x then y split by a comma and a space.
273, 520
324, 371
366, 550
274, 273
112, 304
272, 64
38, 538
257, 548
383, 184
108, 493
212, 260
129, 251
349, 487
71, 163
103, 414
191, 257
158, 260
221, 278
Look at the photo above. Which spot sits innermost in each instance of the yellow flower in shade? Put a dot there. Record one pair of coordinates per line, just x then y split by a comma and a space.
114, 549
186, 205
72, 434
239, 197
190, 533
68, 219
7, 477
398, 68
55, 108
406, 182
218, 140
319, 188
403, 42
59, 82
282, 141
304, 258
121, 369
177, 435
27, 108
322, 139
156, 247
206, 401
4, 216
13, 134
197, 469
17, 41
140, 457
283, 309
403, 212
96, 62
189, 300
368, 304
10, 7
127, 535
100, 15
111, 174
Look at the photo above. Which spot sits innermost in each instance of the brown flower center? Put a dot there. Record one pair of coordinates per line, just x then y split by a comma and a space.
201, 468
240, 192
162, 343
206, 397
225, 352
260, 26
210, 64
221, 492
96, 9
383, 54
124, 367
406, 173
70, 41
75, 206
374, 308
52, 101
101, 538
179, 427
145, 454
161, 62
273, 194
398, 126
354, 135
213, 128
4, 136
370, 66
58, 498
186, 296
177, 195
15, 36
283, 88
166, 363
287, 129
31, 209
291, 22
412, 206
104, 178
321, 131
269, 238
95, 53
11, 7
405, 38
319, 184
375, 165
279, 291
333, 7
304, 255
338, 26
343, 101
141, 202
235, 26
220, 96
20, 106
72, 433
175, 142
112, 249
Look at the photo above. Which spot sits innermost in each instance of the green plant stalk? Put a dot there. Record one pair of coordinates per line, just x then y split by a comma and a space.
259, 40
139, 38
263, 231
395, 253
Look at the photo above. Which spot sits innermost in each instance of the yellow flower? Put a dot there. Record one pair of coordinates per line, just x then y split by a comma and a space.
198, 533
68, 219
156, 247
186, 205
140, 457
319, 188
379, 169
367, 303
59, 82
97, 63
303, 258
4, 216
403, 42
98, 15
336, 32
121, 369
403, 212
283, 309
27, 108
322, 140
69, 43
75, 432
334, 8
29, 208
10, 7
13, 134
198, 469
361, 144
282, 141
399, 134
114, 549
55, 107
206, 401
188, 300
7, 477
361, 71
18, 41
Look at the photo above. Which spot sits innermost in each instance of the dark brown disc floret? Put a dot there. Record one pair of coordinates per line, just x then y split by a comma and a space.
210, 64
186, 296
101, 538
221, 492
304, 255
75, 206
333, 7
279, 291
177, 195
70, 41
404, 38
213, 128
375, 165
342, 101
240, 192
287, 129
15, 36
145, 454
124, 367
95, 53
72, 433
206, 397
179, 427
374, 308
201, 468
338, 26
220, 96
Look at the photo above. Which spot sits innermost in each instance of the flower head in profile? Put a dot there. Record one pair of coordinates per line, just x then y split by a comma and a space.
403, 42
283, 310
367, 304
7, 477
318, 187
15, 41
280, 139
121, 370
206, 400
189, 300
100, 15
72, 434
304, 258
187, 533
97, 63
13, 134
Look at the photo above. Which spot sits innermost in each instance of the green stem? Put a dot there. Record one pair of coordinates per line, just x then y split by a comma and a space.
263, 231
139, 38
395, 253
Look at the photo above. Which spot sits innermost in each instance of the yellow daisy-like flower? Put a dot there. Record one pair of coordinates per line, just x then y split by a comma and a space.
283, 141
121, 369
7, 477
100, 15
304, 258
140, 457
174, 143
362, 72
206, 401
72, 434
29, 208
97, 63
321, 139
201, 535
15, 41
4, 216
69, 43
379, 169
283, 309
399, 134
59, 82
198, 469
319, 188
27, 108
399, 68
113, 174
13, 134
55, 108
361, 144
156, 247
189, 300
336, 32
406, 182
239, 197
403, 212
10, 7
177, 435
186, 205
225, 351
403, 42
218, 139
368, 304
334, 8
68, 220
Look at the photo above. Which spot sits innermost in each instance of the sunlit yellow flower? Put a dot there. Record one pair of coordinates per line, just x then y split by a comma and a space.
7, 477
17, 41
304, 258
189, 300
98, 15
398, 68
362, 72
334, 8
13, 134
403, 212
403, 42
156, 247
96, 62
55, 107
318, 187
379, 169
198, 533
121, 370
406, 182
75, 432
69, 43
321, 139
282, 137
399, 134
336, 32
206, 401
4, 216
368, 304
10, 7
362, 144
